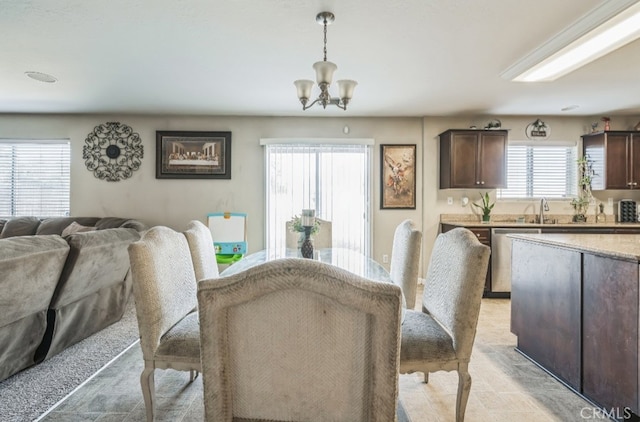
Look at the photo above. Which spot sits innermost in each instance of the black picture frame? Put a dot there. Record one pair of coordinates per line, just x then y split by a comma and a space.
398, 176
193, 155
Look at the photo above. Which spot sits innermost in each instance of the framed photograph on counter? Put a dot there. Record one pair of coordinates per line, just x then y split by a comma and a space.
398, 176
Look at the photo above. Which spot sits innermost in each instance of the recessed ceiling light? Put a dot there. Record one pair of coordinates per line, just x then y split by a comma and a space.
569, 107
42, 77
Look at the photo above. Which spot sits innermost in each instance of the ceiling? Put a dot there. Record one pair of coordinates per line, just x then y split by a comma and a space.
240, 57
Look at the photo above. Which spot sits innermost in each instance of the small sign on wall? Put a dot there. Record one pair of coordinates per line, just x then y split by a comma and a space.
538, 130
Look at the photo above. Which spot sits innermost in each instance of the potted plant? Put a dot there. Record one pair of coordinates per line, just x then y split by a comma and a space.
296, 225
581, 203
486, 207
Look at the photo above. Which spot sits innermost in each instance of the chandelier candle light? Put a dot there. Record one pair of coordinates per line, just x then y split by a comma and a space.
324, 76
308, 220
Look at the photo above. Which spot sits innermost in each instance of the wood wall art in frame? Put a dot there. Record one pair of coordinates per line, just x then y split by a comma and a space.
398, 176
193, 155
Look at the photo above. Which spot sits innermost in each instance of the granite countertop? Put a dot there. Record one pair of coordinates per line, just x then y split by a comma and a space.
506, 220
623, 246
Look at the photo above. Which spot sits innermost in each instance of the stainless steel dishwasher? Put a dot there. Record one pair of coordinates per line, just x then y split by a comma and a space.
501, 257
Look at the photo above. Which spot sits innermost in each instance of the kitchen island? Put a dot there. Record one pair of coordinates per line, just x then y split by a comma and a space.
575, 310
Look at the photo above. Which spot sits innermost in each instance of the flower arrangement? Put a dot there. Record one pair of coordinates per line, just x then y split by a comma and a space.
486, 206
296, 225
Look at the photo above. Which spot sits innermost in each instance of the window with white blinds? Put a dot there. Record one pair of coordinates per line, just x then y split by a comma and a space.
535, 171
34, 178
332, 179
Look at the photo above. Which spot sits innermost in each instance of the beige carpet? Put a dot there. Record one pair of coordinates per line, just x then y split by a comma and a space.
29, 393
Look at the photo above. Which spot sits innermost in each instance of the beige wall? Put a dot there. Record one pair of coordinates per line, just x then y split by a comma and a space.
175, 202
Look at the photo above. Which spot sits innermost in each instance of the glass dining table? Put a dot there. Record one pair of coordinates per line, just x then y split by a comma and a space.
347, 259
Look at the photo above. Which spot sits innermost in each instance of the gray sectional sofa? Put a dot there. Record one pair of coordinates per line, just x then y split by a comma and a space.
55, 290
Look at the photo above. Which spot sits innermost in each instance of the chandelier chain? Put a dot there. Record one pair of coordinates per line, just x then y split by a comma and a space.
325, 39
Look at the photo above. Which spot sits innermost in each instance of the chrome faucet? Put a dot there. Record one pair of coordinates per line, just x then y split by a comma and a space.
544, 206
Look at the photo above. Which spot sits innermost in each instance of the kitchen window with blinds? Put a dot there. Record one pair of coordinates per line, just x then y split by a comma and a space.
535, 171
34, 178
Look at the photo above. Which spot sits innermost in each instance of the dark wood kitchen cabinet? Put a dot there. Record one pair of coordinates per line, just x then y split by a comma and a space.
473, 159
576, 314
616, 159
610, 331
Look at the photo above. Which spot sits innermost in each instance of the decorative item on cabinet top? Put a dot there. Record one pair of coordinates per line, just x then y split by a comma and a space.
113, 151
494, 124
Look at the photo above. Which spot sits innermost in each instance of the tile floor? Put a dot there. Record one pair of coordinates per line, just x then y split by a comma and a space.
506, 387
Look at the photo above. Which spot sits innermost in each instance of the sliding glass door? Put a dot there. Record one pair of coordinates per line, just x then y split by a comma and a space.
333, 179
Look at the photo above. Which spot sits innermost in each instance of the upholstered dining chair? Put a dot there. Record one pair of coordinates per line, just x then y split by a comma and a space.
203, 253
322, 239
297, 339
405, 260
441, 336
164, 289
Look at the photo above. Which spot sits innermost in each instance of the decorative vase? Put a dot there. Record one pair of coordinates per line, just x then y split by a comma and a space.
307, 244
307, 248
486, 218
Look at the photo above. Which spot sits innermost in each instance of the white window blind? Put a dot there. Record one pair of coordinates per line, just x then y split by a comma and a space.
332, 179
34, 178
535, 171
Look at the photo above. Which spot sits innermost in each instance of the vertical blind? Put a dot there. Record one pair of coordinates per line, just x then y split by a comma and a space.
331, 179
34, 178
540, 171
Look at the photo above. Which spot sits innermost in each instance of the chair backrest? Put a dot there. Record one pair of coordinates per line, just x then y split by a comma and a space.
203, 253
454, 285
164, 283
298, 339
405, 259
322, 239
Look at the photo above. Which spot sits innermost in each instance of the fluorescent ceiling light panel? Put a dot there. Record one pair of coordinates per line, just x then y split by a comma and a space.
605, 29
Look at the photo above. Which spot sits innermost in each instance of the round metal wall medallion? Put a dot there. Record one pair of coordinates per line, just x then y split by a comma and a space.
113, 151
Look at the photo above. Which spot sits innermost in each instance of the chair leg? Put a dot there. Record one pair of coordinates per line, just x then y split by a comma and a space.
193, 374
426, 378
148, 390
464, 387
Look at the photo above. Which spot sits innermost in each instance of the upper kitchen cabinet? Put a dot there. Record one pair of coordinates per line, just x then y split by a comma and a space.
473, 159
615, 157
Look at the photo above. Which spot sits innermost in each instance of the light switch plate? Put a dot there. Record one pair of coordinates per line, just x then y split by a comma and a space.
449, 200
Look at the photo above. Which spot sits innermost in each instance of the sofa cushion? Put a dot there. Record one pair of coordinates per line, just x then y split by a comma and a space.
30, 268
56, 225
116, 222
20, 226
97, 259
76, 228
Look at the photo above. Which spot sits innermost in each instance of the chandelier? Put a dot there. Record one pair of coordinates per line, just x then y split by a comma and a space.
324, 75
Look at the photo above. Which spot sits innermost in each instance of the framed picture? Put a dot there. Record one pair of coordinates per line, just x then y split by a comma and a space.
398, 176
193, 155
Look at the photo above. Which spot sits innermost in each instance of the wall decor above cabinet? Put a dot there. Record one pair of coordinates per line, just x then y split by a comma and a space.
538, 130
473, 159
113, 151
615, 157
